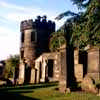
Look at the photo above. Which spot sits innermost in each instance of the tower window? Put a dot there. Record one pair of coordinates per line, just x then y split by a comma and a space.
22, 37
33, 36
22, 54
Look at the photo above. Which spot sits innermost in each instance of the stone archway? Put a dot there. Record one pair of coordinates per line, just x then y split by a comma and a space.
47, 67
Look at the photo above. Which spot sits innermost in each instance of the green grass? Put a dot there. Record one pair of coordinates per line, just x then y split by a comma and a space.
42, 92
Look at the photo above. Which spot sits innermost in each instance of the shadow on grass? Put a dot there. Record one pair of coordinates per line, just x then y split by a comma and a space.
11, 96
29, 86
14, 92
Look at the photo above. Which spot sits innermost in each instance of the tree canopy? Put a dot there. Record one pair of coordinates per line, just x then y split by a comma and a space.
85, 26
11, 63
56, 40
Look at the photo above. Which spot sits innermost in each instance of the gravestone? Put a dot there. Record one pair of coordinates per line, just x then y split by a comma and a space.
94, 63
78, 71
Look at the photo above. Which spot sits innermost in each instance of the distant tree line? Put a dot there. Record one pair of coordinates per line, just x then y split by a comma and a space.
10, 65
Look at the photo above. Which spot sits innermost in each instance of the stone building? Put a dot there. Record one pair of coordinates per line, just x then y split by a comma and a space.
47, 66
38, 64
93, 69
34, 42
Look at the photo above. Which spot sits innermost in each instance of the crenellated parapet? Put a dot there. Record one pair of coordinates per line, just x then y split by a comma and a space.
39, 21
27, 24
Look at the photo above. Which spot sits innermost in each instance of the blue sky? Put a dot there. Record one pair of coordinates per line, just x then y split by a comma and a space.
12, 12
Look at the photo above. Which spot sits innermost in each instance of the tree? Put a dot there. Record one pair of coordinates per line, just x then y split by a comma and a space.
11, 63
81, 3
56, 40
85, 25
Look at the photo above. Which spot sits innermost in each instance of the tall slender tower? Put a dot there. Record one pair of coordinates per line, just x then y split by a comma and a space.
28, 42
27, 50
34, 41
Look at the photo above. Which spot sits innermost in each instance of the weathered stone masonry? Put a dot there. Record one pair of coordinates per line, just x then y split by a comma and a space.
34, 41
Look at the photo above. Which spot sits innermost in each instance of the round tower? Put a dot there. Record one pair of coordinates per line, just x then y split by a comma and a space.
28, 42
27, 52
34, 42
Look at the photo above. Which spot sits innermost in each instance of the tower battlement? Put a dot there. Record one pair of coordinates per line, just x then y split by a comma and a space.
43, 20
39, 21
27, 24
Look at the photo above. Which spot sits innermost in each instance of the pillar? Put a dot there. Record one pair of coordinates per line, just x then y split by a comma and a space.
21, 73
33, 75
43, 79
38, 72
62, 62
56, 68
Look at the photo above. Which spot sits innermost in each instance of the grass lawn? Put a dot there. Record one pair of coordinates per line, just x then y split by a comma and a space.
42, 92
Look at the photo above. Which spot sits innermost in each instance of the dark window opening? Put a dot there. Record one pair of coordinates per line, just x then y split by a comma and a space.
50, 68
83, 56
16, 73
22, 54
27, 73
32, 36
22, 37
1, 70
40, 70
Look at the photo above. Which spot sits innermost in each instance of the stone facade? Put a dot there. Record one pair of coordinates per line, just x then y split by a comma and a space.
68, 65
47, 66
34, 42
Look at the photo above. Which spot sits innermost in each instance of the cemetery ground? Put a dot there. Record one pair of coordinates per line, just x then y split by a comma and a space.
46, 91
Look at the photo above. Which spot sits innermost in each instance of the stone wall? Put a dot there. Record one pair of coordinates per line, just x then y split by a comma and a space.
94, 63
29, 48
41, 64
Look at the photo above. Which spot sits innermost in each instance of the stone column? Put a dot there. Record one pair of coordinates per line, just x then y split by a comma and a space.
94, 63
33, 75
62, 63
56, 68
21, 73
43, 70
38, 72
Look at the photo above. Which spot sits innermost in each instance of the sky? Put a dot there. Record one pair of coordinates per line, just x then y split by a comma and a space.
12, 12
